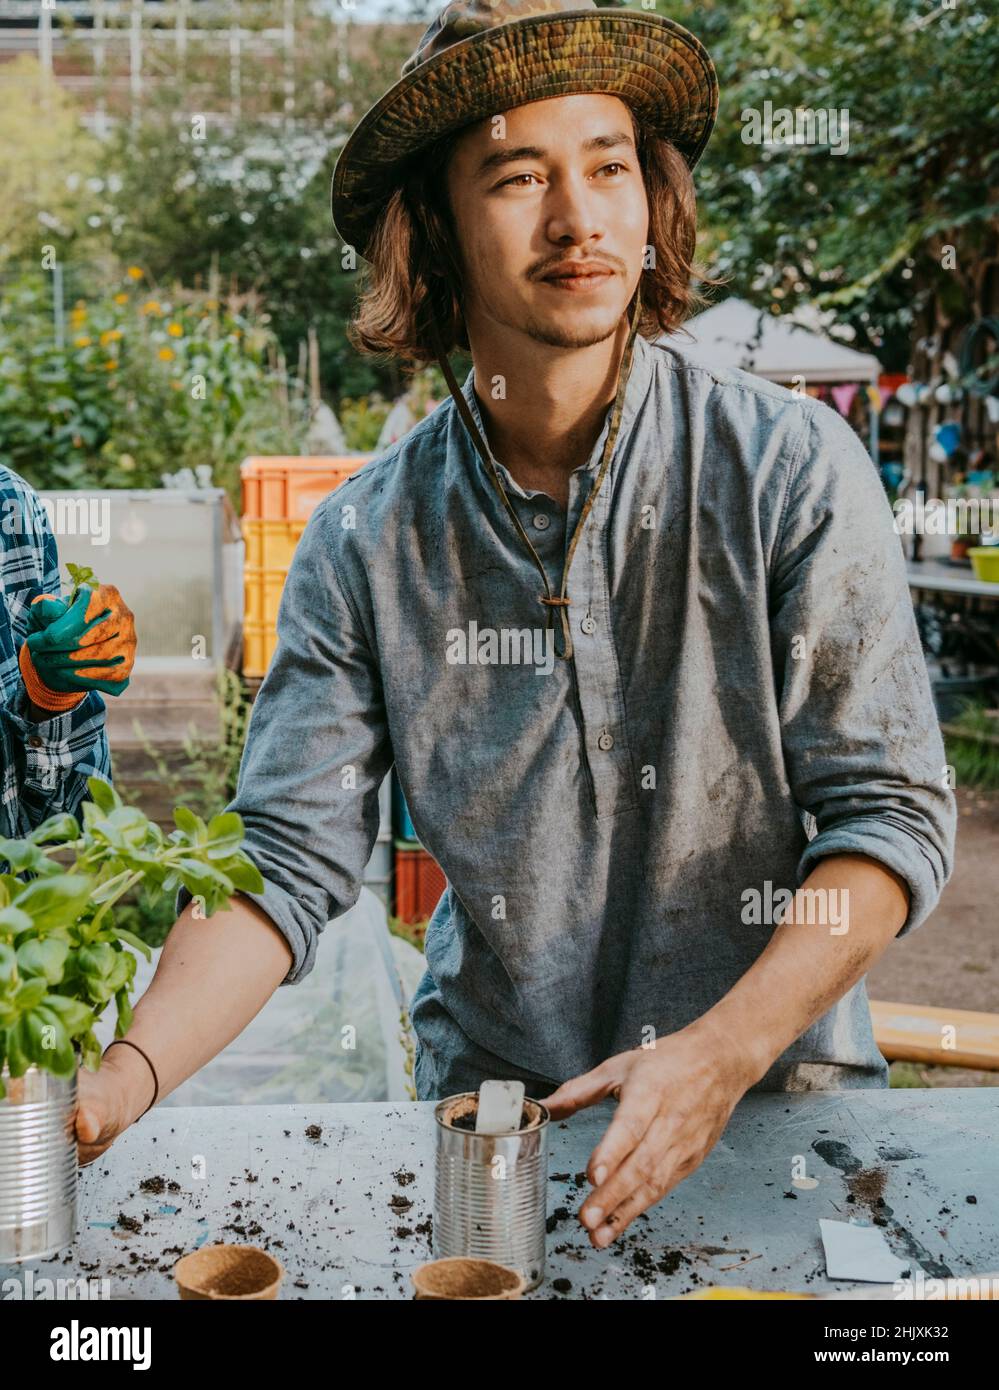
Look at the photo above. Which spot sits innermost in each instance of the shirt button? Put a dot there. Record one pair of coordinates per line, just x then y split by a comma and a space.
589, 625
34, 741
605, 741
542, 522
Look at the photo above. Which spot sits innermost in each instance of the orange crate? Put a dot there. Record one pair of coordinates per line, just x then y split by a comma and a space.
290, 489
419, 883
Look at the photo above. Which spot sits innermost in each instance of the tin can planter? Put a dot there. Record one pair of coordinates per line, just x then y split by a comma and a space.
38, 1165
490, 1189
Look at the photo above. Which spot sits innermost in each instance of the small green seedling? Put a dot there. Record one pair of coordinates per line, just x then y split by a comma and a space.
81, 575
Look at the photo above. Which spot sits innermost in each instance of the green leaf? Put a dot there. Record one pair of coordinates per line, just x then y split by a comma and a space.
55, 830
74, 1013
133, 940
17, 1059
22, 856
54, 902
13, 921
90, 1050
185, 820
124, 1014
244, 874
103, 795
29, 994
8, 964
225, 834
47, 1041
81, 574
205, 878
46, 958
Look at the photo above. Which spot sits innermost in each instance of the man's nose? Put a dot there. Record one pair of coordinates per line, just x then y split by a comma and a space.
572, 212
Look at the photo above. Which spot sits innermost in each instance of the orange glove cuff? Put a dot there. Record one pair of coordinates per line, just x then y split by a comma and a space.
40, 694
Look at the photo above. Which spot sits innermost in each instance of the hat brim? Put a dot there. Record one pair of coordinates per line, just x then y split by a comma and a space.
659, 68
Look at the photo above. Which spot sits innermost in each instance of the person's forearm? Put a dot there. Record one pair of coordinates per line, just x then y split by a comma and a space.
809, 964
213, 977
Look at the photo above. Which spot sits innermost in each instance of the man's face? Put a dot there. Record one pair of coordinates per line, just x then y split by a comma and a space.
562, 186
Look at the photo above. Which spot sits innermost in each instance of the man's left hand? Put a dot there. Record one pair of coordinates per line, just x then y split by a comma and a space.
674, 1101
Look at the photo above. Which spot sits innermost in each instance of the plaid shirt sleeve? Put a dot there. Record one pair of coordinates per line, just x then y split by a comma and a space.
45, 765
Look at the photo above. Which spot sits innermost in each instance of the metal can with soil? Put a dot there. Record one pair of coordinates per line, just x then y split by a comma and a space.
38, 1165
490, 1189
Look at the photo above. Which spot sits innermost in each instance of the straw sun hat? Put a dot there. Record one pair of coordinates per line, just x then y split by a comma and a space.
481, 57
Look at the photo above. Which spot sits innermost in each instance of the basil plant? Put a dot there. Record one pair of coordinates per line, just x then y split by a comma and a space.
62, 959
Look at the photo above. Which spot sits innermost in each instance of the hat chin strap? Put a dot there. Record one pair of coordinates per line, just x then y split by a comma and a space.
562, 602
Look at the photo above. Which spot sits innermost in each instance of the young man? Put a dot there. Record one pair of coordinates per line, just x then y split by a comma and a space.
620, 672
54, 658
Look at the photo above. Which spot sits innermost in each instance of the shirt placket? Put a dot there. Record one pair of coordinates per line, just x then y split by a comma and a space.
595, 666
598, 677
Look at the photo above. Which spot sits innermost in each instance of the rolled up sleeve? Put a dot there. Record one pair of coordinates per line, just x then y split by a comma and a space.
861, 738
317, 751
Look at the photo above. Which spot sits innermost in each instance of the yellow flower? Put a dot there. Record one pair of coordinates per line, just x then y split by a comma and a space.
151, 306
134, 272
110, 335
175, 330
81, 342
166, 354
110, 365
126, 463
177, 385
77, 317
121, 298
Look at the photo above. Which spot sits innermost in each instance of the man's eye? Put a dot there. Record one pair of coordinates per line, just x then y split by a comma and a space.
509, 183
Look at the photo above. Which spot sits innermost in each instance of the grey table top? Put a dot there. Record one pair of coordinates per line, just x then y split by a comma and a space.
323, 1206
948, 579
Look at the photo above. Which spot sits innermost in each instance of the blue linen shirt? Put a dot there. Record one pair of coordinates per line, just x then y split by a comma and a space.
747, 694
45, 765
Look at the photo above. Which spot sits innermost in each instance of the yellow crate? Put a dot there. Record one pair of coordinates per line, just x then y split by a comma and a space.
271, 544
262, 594
259, 642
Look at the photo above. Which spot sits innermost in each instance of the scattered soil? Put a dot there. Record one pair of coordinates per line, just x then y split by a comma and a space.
868, 1187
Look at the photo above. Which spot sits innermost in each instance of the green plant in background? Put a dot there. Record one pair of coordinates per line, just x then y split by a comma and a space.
972, 741
63, 955
208, 778
362, 419
206, 783
143, 385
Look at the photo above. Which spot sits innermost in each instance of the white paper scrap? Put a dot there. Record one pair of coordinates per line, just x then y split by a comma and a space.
859, 1252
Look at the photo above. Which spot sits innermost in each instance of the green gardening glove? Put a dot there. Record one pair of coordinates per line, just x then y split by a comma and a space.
86, 645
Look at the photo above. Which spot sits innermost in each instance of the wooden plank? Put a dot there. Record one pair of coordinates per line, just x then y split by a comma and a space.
942, 1037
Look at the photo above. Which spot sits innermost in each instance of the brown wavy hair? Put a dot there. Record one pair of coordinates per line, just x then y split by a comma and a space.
415, 279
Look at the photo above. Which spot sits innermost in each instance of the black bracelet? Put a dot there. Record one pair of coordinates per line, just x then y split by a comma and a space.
156, 1080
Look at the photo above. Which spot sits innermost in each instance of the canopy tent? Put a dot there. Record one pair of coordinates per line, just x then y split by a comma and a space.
780, 348
735, 334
